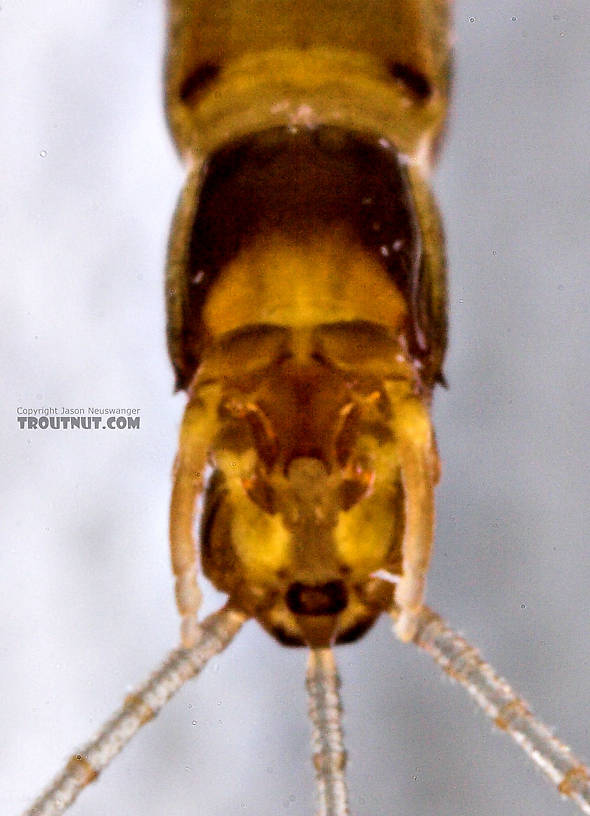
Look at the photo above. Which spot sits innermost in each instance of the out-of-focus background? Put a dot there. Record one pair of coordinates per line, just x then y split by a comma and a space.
88, 183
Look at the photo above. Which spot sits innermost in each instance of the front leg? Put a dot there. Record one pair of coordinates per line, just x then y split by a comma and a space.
419, 466
199, 425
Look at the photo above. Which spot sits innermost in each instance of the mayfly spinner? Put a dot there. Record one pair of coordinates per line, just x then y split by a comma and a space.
306, 309
306, 301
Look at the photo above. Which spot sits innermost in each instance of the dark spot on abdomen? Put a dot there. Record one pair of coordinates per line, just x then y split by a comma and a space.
198, 81
416, 83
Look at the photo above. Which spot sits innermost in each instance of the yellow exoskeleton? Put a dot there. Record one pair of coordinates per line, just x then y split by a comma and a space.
307, 306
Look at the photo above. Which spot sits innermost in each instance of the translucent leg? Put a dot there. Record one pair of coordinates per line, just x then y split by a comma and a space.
139, 708
419, 471
198, 427
503, 706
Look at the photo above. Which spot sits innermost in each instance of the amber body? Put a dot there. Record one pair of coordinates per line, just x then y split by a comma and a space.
307, 307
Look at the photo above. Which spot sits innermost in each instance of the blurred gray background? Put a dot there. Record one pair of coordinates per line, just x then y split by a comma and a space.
88, 183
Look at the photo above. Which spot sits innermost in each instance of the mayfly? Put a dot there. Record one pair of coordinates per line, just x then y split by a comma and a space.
315, 417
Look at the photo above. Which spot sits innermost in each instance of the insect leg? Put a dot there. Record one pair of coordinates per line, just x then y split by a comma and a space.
419, 468
198, 426
216, 632
510, 712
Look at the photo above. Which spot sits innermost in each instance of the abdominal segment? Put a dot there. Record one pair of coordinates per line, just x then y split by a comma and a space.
322, 207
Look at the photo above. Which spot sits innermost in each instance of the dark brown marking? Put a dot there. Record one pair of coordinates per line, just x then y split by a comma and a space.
573, 778
198, 81
323, 599
416, 83
81, 770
